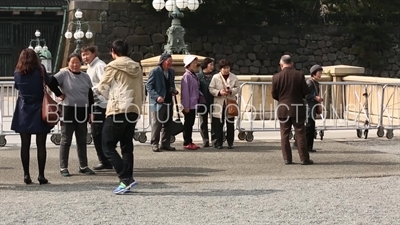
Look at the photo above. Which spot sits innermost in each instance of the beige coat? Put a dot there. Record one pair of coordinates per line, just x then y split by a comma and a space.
217, 84
122, 85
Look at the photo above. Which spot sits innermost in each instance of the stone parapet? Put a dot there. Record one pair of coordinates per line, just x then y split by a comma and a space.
177, 65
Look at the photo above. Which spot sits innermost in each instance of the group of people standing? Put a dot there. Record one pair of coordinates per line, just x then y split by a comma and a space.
204, 94
110, 98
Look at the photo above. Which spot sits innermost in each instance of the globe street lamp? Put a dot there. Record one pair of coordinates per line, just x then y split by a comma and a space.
78, 34
176, 42
43, 52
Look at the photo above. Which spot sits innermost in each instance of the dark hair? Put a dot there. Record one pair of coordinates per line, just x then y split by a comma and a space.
205, 62
120, 48
74, 55
28, 61
223, 63
90, 48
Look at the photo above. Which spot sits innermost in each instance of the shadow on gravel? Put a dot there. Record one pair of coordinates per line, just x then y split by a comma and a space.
6, 168
348, 152
81, 187
209, 193
375, 142
242, 147
175, 172
355, 163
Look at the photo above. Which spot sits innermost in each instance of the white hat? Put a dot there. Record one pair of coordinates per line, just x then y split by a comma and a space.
188, 59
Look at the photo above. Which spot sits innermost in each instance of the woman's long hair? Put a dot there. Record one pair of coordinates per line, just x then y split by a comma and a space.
28, 61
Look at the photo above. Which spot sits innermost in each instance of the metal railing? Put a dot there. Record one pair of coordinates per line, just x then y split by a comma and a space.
347, 106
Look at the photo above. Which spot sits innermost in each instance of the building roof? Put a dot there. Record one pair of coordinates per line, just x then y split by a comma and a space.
32, 3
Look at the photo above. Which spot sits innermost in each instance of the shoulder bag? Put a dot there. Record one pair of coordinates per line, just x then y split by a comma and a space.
50, 112
232, 108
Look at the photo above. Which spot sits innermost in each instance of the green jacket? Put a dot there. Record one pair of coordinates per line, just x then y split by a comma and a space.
204, 83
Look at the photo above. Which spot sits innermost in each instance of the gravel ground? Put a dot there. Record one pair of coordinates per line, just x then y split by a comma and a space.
353, 182
334, 201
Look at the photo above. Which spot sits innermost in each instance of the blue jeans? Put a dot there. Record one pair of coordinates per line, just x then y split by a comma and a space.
120, 128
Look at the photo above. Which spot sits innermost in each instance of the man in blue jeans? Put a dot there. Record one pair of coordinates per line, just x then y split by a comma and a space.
122, 85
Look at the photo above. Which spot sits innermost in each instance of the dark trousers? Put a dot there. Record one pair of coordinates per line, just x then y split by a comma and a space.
299, 129
120, 128
67, 130
203, 120
161, 121
97, 130
218, 125
310, 132
190, 117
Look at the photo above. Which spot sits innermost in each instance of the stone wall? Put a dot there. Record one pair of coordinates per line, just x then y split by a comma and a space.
252, 50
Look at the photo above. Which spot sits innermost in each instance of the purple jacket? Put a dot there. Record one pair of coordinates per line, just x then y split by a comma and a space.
190, 90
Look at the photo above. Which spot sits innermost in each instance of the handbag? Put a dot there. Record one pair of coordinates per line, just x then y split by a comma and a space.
177, 127
50, 112
232, 107
318, 110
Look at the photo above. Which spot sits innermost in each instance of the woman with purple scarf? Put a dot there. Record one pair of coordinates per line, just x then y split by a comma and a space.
190, 98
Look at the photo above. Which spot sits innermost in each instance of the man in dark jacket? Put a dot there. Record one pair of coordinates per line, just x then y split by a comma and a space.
289, 88
161, 88
312, 99
205, 75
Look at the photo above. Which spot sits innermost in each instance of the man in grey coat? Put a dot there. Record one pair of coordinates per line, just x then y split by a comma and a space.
161, 89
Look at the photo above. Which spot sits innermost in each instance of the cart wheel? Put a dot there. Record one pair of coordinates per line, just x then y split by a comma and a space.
321, 134
359, 133
249, 137
173, 139
3, 141
136, 137
89, 139
142, 138
389, 134
365, 133
291, 135
242, 135
224, 137
380, 132
315, 135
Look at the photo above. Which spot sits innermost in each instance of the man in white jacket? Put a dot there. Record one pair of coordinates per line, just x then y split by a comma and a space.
95, 71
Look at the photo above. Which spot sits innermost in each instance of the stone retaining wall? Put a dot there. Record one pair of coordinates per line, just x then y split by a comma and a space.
252, 50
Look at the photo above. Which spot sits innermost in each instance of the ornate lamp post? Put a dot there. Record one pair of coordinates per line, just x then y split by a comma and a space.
176, 42
43, 52
78, 34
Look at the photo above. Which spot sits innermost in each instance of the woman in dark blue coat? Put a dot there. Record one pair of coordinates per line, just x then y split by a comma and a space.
27, 119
